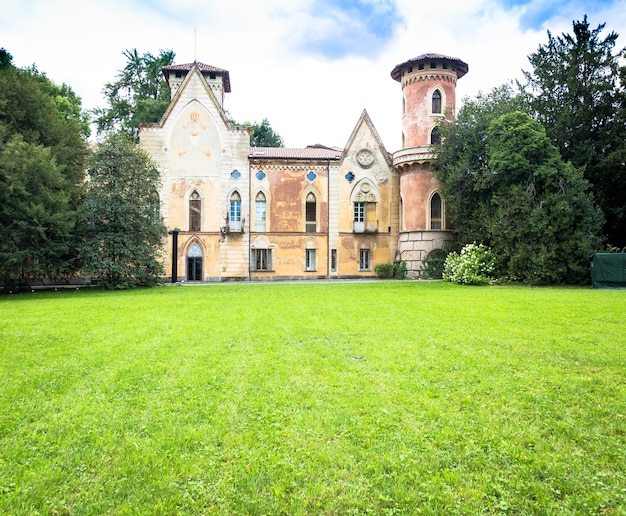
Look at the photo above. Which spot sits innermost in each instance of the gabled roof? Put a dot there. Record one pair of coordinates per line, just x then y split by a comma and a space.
365, 119
311, 152
193, 71
203, 68
461, 67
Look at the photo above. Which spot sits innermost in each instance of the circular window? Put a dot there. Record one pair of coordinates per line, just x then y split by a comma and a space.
235, 174
311, 176
365, 158
260, 175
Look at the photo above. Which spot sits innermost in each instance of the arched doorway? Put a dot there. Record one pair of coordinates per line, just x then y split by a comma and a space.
194, 263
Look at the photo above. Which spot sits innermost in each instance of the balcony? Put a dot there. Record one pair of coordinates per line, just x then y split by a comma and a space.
410, 155
364, 227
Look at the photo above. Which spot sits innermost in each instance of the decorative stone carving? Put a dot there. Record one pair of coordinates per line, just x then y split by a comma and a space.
382, 178
365, 158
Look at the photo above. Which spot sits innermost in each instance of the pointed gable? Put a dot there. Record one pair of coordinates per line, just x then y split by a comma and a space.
365, 124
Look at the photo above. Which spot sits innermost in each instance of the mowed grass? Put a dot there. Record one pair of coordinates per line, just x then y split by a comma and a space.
314, 398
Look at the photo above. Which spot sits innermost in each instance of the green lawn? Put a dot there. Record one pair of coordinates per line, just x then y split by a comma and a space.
314, 398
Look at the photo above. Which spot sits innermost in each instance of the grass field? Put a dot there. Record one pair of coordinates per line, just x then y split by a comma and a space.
314, 398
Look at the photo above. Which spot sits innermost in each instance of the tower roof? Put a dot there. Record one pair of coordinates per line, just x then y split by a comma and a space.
203, 68
461, 67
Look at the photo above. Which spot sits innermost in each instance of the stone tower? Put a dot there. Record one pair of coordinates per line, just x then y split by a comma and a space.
428, 97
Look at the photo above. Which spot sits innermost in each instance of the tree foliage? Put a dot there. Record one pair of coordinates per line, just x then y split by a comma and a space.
508, 188
262, 135
36, 222
140, 94
121, 221
42, 157
577, 87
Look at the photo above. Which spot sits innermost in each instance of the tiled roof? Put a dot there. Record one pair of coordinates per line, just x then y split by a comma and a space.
313, 152
461, 67
203, 68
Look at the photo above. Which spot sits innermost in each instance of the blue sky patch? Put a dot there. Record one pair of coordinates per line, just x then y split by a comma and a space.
538, 12
341, 28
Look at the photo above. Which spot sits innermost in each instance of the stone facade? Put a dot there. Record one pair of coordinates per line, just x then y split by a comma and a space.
237, 212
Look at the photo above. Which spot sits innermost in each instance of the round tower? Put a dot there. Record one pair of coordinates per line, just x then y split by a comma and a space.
428, 97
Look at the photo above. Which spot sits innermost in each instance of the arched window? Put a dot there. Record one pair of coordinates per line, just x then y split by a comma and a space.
365, 199
436, 102
436, 212
260, 212
195, 211
435, 137
235, 212
311, 213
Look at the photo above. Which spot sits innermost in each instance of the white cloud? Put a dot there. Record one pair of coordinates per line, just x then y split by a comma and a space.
308, 99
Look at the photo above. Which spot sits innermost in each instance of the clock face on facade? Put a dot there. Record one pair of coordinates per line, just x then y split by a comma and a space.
365, 158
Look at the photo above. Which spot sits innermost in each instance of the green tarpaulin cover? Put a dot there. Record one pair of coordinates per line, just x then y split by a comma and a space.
608, 270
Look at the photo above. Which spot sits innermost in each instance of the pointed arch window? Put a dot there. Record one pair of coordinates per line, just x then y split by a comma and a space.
436, 212
311, 213
365, 198
195, 211
436, 102
235, 212
435, 137
260, 212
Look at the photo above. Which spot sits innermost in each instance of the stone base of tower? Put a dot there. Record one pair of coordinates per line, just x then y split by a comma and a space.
415, 246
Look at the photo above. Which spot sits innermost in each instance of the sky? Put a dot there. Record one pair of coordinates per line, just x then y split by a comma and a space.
309, 66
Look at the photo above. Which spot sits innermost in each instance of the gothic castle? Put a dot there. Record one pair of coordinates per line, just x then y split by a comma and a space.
237, 212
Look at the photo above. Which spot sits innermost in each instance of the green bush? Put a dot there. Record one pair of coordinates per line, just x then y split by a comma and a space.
395, 270
474, 265
433, 265
399, 270
384, 270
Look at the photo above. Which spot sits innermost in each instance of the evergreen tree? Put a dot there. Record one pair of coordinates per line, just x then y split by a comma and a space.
507, 187
262, 135
36, 222
140, 94
579, 99
42, 161
121, 221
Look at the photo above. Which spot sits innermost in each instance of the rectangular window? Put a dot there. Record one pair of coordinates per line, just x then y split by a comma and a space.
364, 260
359, 217
235, 215
333, 260
261, 260
310, 260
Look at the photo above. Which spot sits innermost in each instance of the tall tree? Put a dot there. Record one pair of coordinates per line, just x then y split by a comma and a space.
121, 221
42, 162
506, 186
262, 135
36, 222
462, 159
579, 99
140, 94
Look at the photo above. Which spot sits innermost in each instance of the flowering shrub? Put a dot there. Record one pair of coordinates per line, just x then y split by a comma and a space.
474, 265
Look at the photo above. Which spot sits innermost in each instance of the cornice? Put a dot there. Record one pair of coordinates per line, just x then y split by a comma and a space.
432, 77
